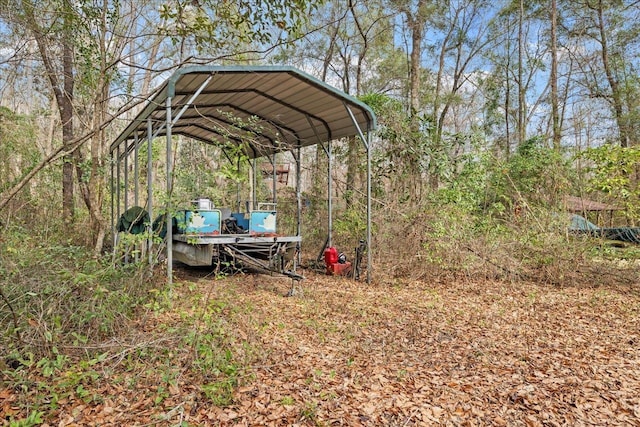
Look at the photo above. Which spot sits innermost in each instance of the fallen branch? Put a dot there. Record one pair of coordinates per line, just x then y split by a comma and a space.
13, 315
496, 265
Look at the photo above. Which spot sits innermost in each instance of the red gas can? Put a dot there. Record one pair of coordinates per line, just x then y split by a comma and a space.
330, 257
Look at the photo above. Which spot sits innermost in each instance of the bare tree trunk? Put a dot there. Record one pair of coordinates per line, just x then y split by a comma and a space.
151, 60
352, 183
417, 29
92, 188
521, 85
507, 99
53, 122
65, 103
63, 95
611, 78
555, 111
417, 21
436, 134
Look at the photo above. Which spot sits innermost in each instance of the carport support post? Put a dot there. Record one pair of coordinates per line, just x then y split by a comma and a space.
118, 181
238, 186
126, 178
273, 177
149, 189
367, 145
115, 203
328, 152
368, 206
298, 159
169, 214
136, 188
113, 210
254, 183
136, 172
126, 192
329, 199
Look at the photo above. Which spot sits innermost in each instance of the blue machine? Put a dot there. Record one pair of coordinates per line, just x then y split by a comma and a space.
199, 222
241, 220
256, 222
262, 222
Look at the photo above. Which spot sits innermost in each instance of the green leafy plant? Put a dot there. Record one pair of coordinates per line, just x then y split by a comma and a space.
613, 172
63, 295
536, 175
33, 419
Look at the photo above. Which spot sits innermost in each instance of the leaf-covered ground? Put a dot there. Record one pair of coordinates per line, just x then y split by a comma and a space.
386, 354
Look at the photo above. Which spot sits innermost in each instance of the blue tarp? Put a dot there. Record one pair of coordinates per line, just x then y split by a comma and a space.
581, 225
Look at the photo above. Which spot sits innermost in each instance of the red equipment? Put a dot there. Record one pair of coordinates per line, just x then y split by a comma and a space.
330, 256
334, 267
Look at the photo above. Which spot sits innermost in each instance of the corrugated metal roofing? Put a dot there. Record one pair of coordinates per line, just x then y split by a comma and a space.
269, 108
578, 204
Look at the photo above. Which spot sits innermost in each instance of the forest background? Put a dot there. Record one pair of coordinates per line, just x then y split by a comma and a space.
489, 115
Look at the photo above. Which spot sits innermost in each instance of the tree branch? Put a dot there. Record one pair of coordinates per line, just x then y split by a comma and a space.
60, 152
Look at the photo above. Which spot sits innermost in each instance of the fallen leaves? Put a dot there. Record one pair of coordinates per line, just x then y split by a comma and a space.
477, 354
345, 353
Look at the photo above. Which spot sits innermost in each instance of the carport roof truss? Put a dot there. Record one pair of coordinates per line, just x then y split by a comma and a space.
267, 108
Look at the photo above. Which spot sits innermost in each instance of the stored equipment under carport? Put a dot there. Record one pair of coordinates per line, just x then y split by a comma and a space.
280, 109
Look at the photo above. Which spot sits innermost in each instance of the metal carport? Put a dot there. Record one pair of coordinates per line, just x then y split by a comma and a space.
282, 108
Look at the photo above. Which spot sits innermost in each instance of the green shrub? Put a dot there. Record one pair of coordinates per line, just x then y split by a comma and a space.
60, 295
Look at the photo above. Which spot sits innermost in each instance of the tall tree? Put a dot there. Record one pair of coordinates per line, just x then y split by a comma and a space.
372, 31
606, 32
82, 46
518, 62
51, 26
415, 15
553, 77
464, 38
522, 89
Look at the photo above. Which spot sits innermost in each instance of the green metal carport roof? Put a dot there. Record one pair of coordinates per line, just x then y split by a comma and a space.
270, 108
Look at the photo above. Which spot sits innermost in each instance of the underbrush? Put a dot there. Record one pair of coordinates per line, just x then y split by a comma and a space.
83, 333
446, 241
58, 296
84, 337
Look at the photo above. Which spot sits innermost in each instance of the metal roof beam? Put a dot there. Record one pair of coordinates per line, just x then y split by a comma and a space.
267, 96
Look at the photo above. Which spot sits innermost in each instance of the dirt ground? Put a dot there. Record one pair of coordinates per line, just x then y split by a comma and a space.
399, 353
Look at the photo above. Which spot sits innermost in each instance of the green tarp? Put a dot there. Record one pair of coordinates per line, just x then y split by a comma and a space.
133, 220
